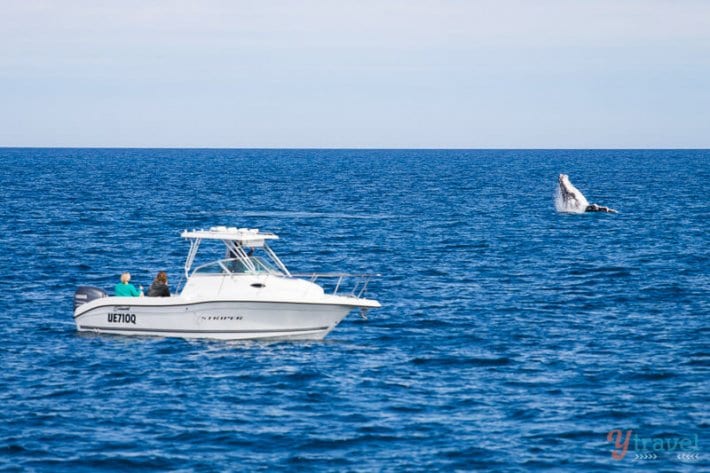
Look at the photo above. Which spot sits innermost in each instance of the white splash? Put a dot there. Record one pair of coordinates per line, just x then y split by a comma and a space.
568, 198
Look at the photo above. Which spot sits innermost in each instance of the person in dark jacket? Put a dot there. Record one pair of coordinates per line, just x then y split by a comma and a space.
159, 288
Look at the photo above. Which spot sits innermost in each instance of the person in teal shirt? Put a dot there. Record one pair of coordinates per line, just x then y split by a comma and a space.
125, 288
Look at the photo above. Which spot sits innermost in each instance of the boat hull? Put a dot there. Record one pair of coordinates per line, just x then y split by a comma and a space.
221, 320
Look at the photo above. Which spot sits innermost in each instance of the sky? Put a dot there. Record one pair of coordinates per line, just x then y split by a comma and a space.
355, 74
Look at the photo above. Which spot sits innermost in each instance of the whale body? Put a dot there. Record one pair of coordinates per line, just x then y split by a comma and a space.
569, 199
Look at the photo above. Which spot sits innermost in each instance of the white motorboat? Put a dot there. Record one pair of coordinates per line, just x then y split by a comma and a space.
249, 294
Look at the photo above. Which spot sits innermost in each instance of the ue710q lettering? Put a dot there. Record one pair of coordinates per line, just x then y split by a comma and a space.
121, 318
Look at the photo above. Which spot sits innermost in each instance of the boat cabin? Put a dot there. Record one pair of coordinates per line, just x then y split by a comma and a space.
246, 252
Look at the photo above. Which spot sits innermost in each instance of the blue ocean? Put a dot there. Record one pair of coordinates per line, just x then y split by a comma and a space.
511, 337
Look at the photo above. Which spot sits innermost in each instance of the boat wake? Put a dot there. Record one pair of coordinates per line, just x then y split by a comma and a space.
288, 214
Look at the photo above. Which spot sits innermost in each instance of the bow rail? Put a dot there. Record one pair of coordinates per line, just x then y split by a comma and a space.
359, 281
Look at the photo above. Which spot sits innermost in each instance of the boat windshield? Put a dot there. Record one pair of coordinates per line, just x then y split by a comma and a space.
237, 266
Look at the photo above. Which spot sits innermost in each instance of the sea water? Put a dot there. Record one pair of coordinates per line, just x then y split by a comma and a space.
511, 337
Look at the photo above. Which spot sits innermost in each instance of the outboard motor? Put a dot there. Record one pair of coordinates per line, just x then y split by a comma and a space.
86, 294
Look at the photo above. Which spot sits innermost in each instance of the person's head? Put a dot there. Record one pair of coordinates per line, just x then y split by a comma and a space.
125, 278
162, 277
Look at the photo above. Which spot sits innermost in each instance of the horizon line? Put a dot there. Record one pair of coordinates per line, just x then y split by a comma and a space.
364, 148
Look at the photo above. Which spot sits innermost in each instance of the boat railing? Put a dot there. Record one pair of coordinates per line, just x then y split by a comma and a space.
357, 283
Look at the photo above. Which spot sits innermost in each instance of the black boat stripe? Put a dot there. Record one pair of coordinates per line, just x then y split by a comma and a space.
354, 306
166, 330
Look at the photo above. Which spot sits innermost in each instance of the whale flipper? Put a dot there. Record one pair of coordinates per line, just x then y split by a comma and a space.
600, 208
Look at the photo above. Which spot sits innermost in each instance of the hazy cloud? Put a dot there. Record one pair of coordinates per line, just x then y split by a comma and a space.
355, 73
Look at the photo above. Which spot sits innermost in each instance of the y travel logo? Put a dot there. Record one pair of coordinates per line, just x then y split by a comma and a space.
681, 448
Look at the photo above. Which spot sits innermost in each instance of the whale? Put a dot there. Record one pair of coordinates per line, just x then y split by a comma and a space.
569, 199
